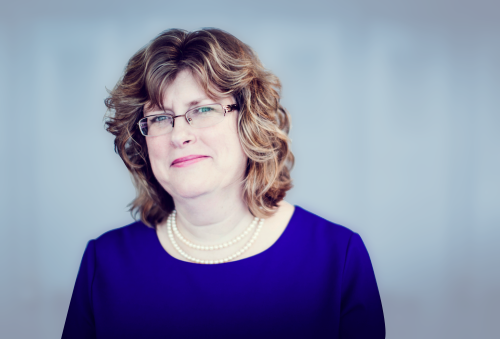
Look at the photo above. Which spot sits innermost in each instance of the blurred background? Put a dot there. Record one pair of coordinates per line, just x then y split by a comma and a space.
396, 121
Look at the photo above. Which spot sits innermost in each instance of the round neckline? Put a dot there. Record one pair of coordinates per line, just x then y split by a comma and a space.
271, 248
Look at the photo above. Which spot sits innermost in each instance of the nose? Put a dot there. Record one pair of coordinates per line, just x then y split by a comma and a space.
182, 133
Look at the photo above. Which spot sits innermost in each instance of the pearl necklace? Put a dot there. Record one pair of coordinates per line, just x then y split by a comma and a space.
172, 224
214, 247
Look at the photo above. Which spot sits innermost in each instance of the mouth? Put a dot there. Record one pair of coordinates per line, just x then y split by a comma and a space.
186, 161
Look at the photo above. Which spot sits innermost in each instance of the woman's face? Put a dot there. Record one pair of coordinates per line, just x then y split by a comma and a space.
218, 161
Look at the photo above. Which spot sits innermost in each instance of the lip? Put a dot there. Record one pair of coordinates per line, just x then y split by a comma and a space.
186, 161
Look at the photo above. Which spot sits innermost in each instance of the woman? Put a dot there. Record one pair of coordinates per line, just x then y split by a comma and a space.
217, 252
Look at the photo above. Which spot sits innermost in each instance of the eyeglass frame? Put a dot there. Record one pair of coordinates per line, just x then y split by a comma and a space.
226, 108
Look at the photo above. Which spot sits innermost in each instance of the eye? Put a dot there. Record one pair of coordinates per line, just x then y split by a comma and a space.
203, 110
160, 119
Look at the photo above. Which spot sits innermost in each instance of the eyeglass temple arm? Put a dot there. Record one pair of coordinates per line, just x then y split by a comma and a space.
229, 108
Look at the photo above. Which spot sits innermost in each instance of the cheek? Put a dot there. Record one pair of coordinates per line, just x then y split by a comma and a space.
157, 150
234, 156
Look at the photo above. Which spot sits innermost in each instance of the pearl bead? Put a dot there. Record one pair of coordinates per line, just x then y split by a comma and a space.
171, 221
171, 225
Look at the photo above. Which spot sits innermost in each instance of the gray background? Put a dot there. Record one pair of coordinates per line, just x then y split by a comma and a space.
395, 109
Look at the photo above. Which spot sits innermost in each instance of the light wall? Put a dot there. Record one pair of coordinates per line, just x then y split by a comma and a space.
396, 132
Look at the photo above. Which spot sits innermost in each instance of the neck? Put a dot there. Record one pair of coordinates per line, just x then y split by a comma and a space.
213, 217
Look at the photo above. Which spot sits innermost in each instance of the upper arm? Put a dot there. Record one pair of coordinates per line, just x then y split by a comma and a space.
80, 318
361, 308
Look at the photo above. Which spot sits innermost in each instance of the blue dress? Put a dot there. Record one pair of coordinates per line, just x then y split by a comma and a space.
315, 281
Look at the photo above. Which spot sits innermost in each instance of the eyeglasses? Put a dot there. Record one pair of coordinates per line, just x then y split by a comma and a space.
198, 117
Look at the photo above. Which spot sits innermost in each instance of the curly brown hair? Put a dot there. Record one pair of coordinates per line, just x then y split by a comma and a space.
224, 66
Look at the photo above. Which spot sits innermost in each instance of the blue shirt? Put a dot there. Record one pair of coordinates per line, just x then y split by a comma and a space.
315, 281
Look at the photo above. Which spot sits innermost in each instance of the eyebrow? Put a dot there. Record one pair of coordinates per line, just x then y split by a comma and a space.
195, 102
190, 105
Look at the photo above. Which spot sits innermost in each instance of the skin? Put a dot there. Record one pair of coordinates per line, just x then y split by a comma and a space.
208, 194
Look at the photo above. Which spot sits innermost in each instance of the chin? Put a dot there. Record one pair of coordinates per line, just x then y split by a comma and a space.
188, 190
190, 194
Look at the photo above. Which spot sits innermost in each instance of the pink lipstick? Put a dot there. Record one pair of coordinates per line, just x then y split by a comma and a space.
189, 160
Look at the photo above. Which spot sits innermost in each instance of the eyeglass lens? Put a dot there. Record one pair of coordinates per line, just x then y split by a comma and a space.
198, 117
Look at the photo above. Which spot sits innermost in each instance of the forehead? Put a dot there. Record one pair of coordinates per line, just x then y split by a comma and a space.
184, 87
183, 92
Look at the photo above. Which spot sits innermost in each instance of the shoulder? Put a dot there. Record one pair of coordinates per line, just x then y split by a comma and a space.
133, 230
124, 238
321, 235
309, 222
